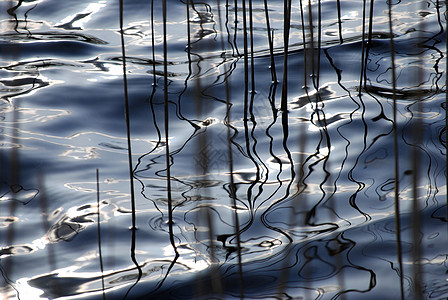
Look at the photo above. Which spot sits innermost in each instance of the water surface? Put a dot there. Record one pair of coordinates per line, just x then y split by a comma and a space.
251, 180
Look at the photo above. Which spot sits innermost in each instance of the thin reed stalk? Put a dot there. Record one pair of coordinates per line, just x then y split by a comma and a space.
246, 55
305, 48
338, 7
446, 111
396, 155
446, 108
319, 44
235, 35
363, 46
367, 46
129, 145
286, 30
99, 231
232, 188
252, 63
416, 160
126, 113
232, 192
166, 121
270, 42
153, 44
311, 47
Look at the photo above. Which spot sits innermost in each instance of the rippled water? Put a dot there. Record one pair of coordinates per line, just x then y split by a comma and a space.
250, 181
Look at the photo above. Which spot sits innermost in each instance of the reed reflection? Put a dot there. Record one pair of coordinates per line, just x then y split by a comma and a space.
367, 113
277, 154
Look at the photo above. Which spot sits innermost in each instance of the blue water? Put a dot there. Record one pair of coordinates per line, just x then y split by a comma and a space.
267, 201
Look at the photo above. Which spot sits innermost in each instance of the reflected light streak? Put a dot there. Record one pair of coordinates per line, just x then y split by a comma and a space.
80, 18
28, 292
195, 263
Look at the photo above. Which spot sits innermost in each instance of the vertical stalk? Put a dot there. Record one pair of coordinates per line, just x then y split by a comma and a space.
338, 4
99, 230
166, 121
252, 63
363, 37
153, 45
416, 156
319, 42
305, 47
396, 156
311, 48
232, 188
128, 135
446, 106
270, 42
286, 30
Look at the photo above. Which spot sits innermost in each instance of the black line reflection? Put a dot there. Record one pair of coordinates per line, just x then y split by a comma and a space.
270, 35
100, 252
417, 137
129, 148
363, 47
232, 187
338, 6
446, 108
267, 189
167, 148
396, 157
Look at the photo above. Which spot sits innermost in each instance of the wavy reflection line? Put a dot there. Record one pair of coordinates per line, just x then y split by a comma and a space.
300, 200
271, 98
167, 149
326, 166
226, 25
351, 177
128, 134
323, 130
324, 139
246, 112
202, 171
351, 116
12, 12
261, 166
372, 281
324, 134
232, 187
26, 19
